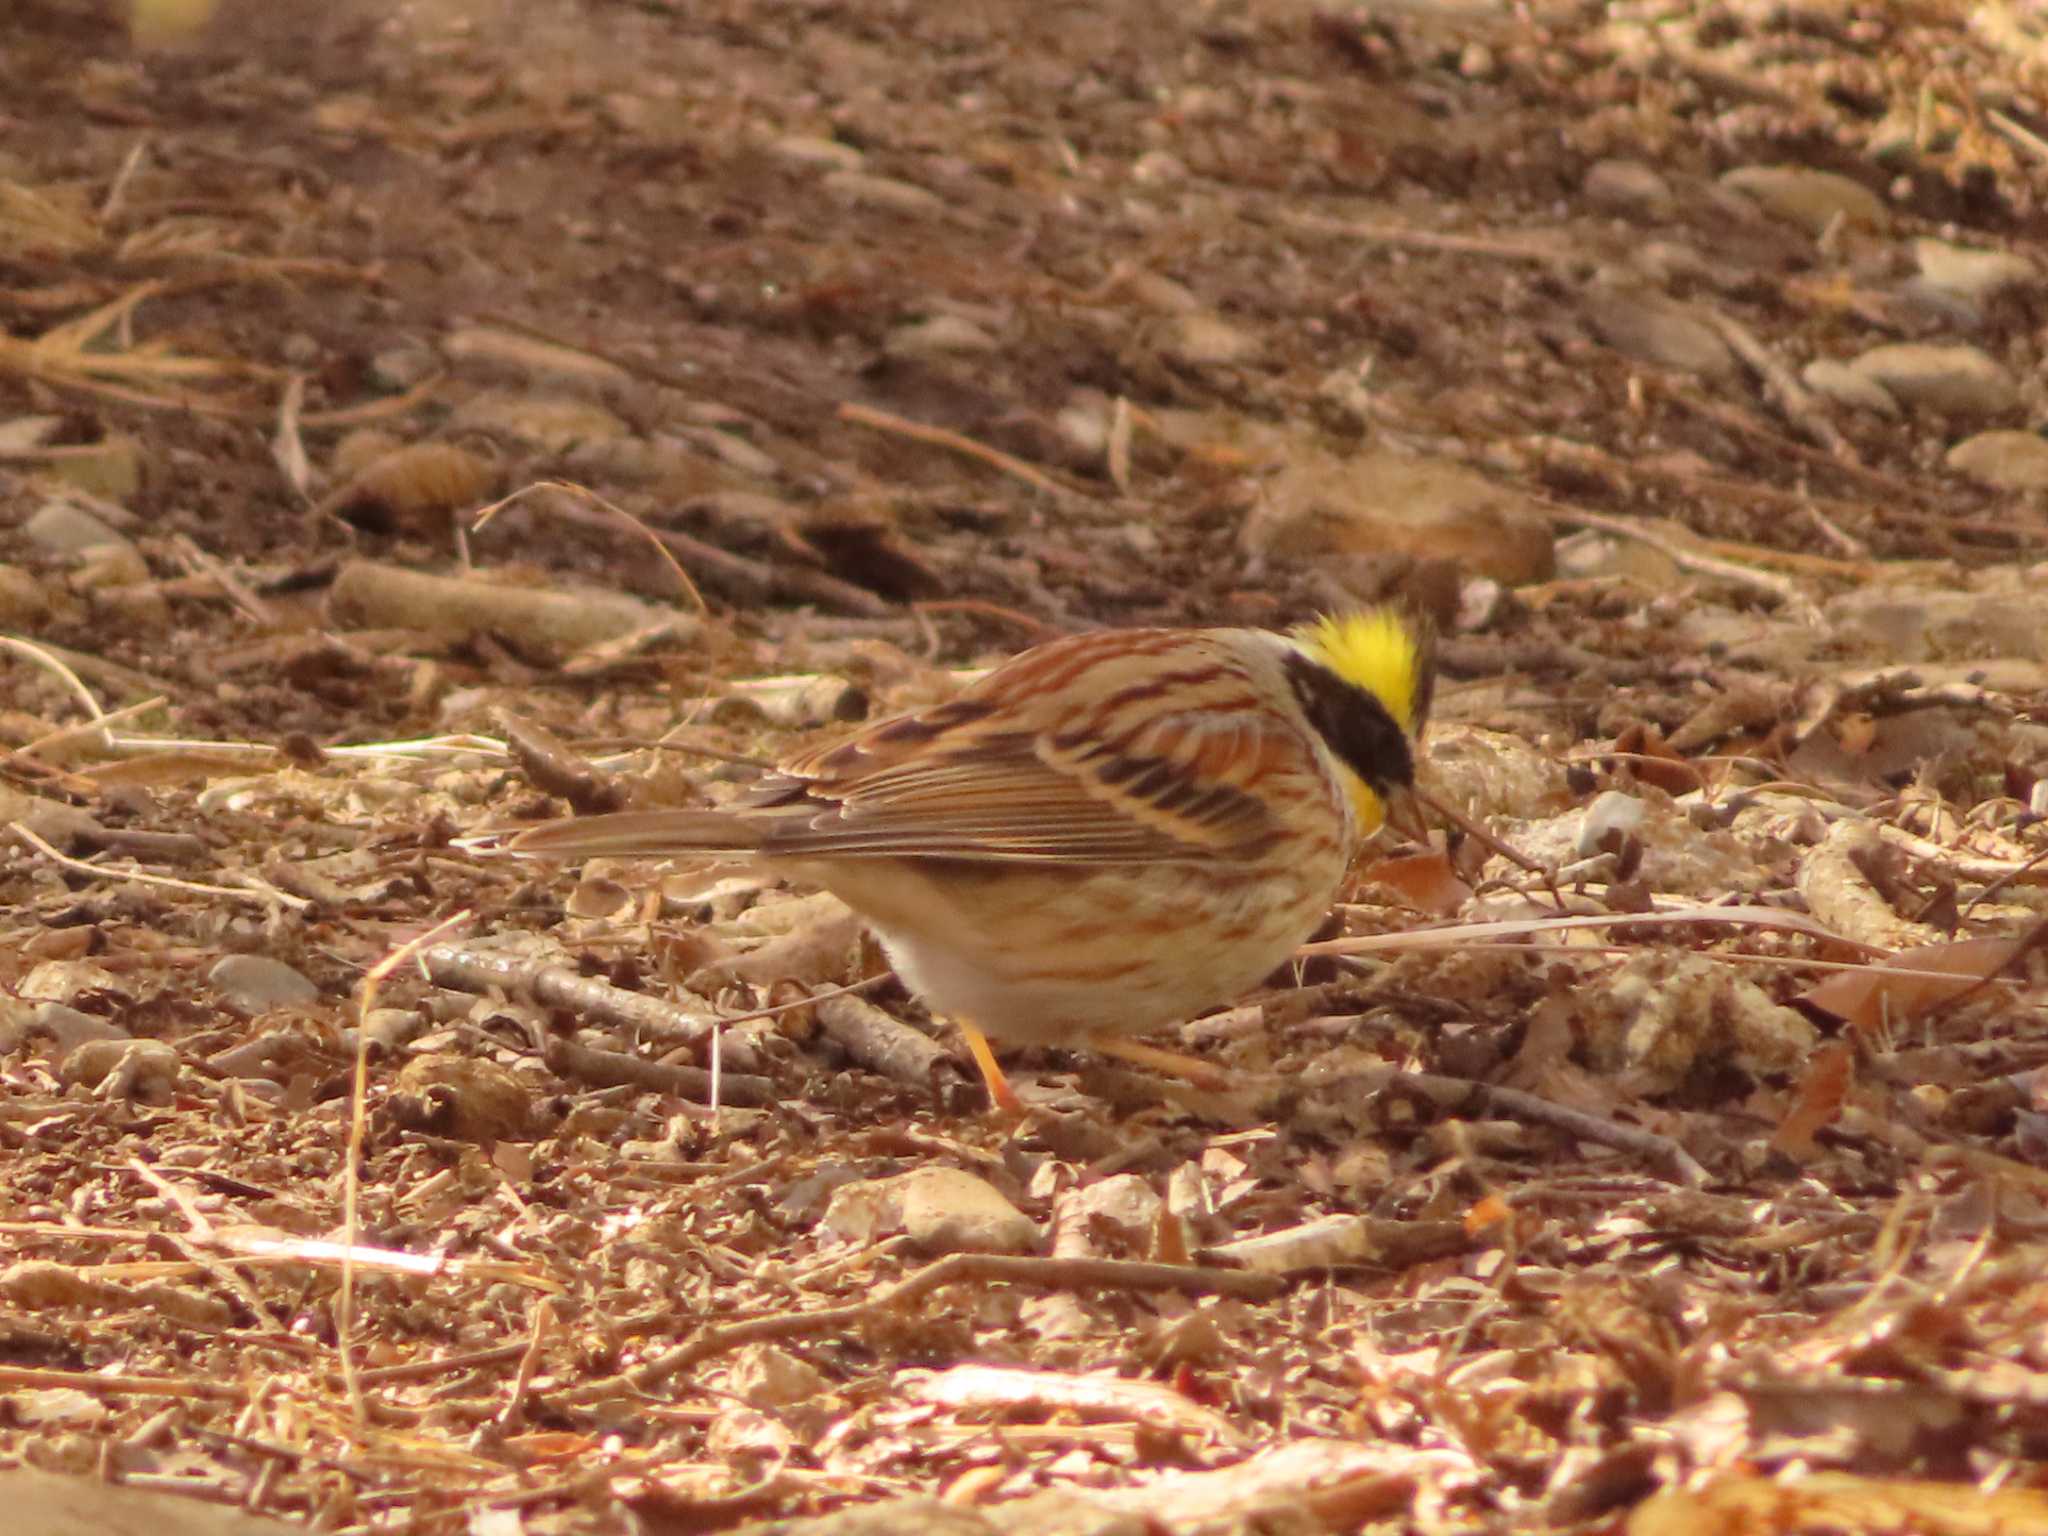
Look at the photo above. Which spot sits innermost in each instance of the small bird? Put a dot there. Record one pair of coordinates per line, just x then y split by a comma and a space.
1107, 833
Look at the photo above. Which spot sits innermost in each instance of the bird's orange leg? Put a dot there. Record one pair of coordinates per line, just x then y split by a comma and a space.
1000, 1094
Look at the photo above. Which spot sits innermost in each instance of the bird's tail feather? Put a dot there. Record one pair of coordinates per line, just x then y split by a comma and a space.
637, 834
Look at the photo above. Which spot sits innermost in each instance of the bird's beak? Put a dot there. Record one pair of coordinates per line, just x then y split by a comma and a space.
1404, 813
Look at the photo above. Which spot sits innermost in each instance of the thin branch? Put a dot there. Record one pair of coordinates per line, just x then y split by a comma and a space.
939, 437
990, 1268
269, 895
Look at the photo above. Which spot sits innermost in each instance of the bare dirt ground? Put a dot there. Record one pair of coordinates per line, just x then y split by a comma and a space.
1684, 360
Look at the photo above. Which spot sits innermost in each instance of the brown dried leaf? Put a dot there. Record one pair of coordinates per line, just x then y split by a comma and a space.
1823, 1088
1901, 989
1426, 881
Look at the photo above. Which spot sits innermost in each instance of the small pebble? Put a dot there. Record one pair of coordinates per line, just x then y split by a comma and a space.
63, 529
1838, 381
940, 336
1612, 814
1811, 199
943, 1210
256, 984
1974, 277
1627, 187
1956, 380
817, 153
1205, 341
531, 359
69, 1028
768, 1376
2010, 461
883, 192
142, 1070
1652, 329
111, 469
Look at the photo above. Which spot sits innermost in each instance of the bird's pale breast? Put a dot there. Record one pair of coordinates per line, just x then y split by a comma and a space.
1052, 953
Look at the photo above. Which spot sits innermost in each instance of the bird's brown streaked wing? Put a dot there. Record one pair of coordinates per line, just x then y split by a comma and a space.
1184, 787
1133, 745
1027, 695
1114, 746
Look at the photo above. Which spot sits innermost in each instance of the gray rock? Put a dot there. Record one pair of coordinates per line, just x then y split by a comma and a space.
63, 529
144, 1070
2011, 461
1652, 329
68, 1028
1627, 187
883, 192
1838, 381
817, 153
1956, 380
1207, 341
111, 469
1666, 263
1974, 277
1383, 501
25, 434
944, 1210
1808, 198
1937, 309
511, 354
1612, 813
736, 452
1920, 626
769, 1376
257, 984
940, 336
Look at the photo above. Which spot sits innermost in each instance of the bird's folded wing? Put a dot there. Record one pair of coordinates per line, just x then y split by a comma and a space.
1198, 785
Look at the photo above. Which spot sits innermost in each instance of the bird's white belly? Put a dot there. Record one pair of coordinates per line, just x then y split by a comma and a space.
1056, 956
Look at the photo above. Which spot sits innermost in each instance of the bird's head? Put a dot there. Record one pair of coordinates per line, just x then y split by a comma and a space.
1363, 681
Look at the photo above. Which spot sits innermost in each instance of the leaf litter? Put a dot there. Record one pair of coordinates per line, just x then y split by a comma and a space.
1665, 1155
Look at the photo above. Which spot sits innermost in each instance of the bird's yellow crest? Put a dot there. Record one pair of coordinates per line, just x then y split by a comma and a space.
1382, 650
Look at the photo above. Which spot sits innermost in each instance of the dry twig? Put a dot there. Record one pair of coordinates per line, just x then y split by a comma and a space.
1054, 1274
939, 437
